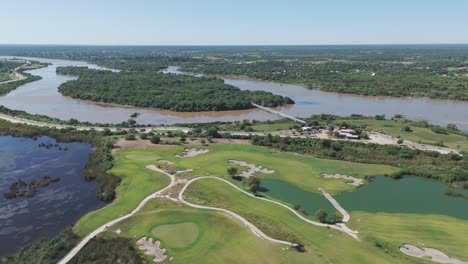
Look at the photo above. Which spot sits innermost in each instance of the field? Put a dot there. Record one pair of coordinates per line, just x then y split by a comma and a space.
392, 230
306, 170
220, 239
204, 236
137, 183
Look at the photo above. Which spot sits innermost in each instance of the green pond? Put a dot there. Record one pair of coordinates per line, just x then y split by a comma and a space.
407, 195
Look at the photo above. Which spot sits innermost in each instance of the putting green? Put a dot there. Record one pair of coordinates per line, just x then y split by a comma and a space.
177, 235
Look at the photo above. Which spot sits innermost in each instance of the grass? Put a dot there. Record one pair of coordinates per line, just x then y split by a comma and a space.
137, 183
425, 135
301, 171
321, 243
221, 239
444, 233
177, 235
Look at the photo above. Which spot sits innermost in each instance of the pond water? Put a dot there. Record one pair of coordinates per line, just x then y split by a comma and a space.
42, 97
54, 207
408, 195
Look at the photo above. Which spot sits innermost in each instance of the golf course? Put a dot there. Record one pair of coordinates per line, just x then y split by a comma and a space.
212, 235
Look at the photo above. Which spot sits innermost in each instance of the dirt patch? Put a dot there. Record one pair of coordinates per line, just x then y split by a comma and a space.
252, 168
434, 254
354, 181
192, 152
152, 249
166, 161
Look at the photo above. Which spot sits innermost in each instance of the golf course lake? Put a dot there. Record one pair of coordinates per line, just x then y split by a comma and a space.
407, 195
54, 207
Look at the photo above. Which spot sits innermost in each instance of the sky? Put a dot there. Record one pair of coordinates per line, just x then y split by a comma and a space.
236, 22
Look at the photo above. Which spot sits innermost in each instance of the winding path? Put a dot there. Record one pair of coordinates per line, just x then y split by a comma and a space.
103, 228
346, 216
341, 226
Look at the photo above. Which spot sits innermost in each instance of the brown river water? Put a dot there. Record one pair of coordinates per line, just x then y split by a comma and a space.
42, 97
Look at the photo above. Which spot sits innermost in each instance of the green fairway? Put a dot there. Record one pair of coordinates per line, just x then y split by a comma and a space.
301, 171
177, 235
220, 239
278, 222
137, 183
444, 233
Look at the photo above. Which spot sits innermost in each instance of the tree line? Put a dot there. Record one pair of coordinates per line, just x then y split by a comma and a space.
180, 93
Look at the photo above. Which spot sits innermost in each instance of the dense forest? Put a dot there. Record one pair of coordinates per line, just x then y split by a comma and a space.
434, 71
165, 91
433, 79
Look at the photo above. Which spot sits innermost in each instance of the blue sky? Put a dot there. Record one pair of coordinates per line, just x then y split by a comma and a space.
236, 22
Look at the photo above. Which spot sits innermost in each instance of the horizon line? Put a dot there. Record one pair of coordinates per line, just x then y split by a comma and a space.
234, 45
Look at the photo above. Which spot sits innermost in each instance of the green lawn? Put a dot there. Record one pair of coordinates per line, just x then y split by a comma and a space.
322, 244
178, 235
425, 135
220, 239
447, 234
137, 183
301, 171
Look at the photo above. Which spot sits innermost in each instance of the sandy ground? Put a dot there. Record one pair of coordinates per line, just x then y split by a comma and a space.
383, 139
355, 181
252, 168
152, 248
192, 152
434, 254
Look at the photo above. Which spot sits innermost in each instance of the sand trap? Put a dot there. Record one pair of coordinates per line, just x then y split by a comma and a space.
118, 231
252, 168
189, 153
355, 181
152, 249
434, 254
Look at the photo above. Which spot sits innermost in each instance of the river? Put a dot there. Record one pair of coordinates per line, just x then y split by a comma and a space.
42, 97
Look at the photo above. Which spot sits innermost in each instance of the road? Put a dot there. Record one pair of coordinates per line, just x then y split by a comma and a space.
19, 120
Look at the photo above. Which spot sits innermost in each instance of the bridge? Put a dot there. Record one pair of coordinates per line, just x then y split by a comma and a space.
277, 113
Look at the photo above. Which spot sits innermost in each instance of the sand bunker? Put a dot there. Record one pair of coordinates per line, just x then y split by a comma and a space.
189, 153
152, 249
434, 254
355, 181
252, 168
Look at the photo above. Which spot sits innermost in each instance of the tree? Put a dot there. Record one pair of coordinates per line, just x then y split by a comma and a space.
321, 215
73, 122
143, 136
131, 122
130, 137
155, 139
254, 184
406, 129
336, 218
232, 171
